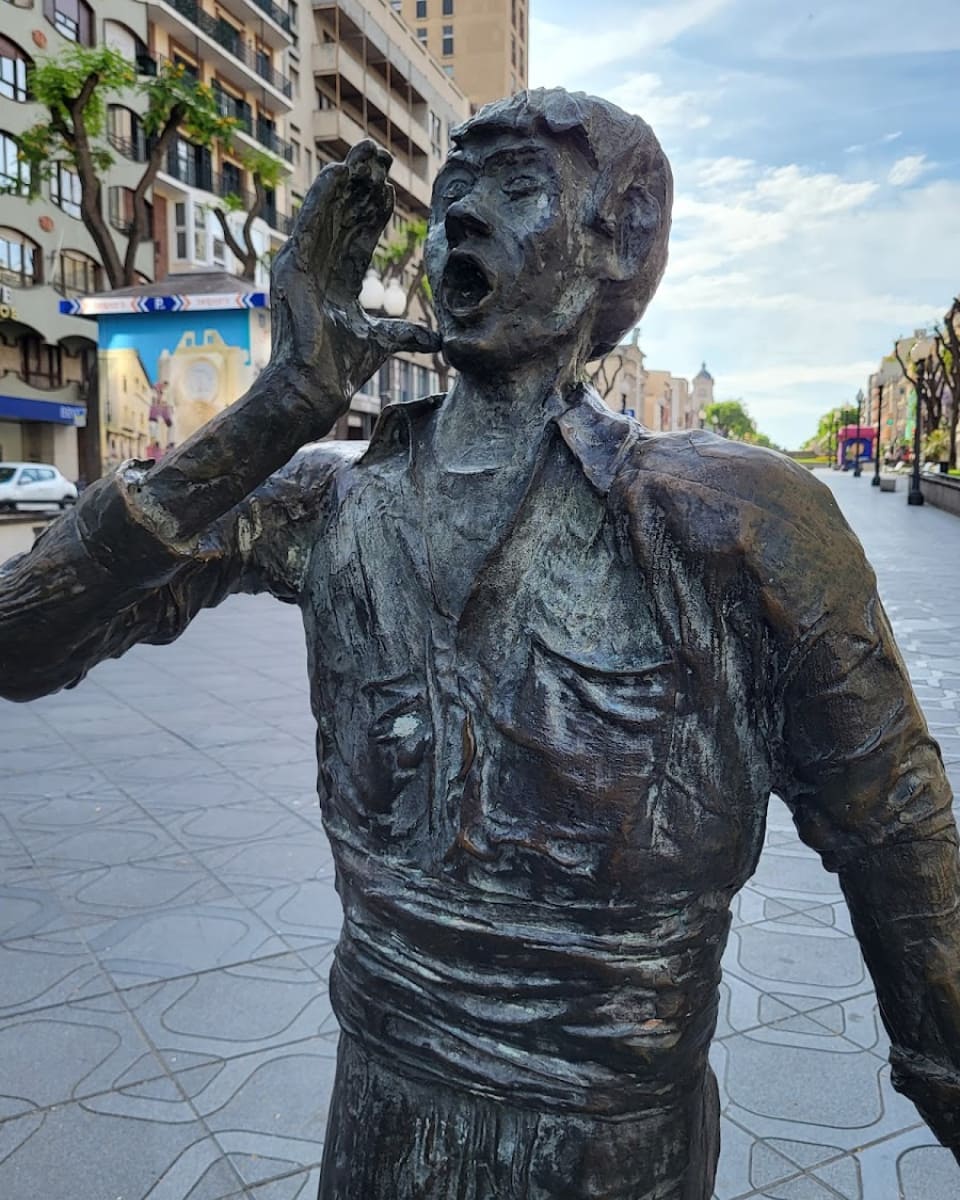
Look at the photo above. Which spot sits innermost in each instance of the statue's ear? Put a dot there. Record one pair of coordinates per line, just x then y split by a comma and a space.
630, 219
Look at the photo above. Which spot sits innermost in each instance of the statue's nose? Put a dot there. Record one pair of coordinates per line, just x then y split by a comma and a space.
464, 220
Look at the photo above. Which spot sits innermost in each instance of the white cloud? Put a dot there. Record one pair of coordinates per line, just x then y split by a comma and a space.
908, 170
892, 137
792, 283
569, 54
716, 172
644, 94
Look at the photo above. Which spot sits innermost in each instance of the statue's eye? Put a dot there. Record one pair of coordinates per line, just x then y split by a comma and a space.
455, 189
522, 185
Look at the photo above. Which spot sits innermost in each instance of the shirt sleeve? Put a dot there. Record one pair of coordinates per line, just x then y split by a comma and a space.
103, 577
866, 785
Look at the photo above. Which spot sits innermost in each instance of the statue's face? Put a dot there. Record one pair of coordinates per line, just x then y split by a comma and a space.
509, 253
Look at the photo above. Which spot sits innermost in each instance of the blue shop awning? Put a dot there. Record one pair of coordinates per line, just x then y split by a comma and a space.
17, 408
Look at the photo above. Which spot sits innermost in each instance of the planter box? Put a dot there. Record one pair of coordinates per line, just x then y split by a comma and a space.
887, 484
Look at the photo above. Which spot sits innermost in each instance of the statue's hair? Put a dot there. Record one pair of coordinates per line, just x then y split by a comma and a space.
631, 199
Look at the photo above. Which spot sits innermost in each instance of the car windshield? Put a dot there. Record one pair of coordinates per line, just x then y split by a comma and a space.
7, 473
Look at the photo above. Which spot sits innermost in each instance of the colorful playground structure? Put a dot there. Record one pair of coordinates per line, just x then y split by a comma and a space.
849, 438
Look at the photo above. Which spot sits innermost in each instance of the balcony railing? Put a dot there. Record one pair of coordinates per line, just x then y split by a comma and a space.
275, 14
136, 148
259, 129
223, 34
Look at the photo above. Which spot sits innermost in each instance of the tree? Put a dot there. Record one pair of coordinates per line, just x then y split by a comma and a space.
823, 441
948, 351
928, 385
730, 419
403, 258
75, 89
266, 172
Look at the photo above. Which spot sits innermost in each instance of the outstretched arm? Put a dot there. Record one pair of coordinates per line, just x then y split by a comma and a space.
149, 545
867, 788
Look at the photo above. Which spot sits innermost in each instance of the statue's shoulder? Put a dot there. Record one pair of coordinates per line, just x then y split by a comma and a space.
312, 475
735, 473
720, 496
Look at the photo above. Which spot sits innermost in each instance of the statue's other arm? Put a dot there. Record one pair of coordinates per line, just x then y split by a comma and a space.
867, 788
148, 546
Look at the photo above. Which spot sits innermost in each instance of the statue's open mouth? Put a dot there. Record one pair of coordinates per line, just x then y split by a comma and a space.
466, 284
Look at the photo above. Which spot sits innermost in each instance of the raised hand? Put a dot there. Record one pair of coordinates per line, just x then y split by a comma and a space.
323, 341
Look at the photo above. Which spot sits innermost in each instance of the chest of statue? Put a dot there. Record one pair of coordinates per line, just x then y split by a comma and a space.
546, 735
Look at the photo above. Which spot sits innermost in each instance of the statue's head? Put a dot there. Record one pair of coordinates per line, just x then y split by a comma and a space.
548, 229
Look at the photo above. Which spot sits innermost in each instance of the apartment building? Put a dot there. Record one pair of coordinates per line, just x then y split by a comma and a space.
482, 44
240, 49
47, 359
659, 400
372, 78
891, 397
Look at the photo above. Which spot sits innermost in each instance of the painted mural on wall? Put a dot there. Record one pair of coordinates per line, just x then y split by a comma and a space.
164, 374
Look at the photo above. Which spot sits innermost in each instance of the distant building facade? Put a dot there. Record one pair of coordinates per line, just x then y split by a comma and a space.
482, 44
660, 400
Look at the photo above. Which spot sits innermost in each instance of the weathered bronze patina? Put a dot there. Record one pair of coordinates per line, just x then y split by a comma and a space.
558, 665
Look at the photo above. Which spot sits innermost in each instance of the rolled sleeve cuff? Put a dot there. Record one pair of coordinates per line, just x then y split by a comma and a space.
934, 1088
122, 534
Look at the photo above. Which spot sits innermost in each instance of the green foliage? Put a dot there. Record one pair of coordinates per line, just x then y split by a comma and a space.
396, 254
936, 446
730, 419
76, 88
829, 423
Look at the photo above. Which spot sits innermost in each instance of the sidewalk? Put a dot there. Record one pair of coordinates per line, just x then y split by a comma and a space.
167, 916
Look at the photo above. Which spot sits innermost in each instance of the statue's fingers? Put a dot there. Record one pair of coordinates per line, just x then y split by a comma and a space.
393, 336
316, 227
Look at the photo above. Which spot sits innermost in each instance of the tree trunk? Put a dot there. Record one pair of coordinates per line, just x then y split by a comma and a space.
245, 251
141, 229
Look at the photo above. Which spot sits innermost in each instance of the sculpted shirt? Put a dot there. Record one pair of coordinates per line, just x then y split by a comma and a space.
542, 800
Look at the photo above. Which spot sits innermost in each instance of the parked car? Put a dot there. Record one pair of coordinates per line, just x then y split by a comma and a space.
33, 485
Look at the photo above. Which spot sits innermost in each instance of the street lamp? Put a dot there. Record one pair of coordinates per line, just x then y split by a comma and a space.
856, 461
374, 297
919, 352
875, 482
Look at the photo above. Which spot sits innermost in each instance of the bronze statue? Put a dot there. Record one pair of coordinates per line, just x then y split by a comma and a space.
558, 665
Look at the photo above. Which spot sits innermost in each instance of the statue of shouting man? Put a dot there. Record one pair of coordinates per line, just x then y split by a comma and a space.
558, 665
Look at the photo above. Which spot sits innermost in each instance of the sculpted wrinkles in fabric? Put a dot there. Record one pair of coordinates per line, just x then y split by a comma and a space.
558, 664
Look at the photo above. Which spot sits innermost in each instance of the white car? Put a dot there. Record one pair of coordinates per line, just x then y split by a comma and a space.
33, 485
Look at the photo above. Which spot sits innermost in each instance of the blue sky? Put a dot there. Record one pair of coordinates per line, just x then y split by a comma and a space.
816, 154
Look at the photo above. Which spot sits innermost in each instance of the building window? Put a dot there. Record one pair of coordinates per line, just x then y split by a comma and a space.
513, 51
231, 180
446, 46
13, 71
20, 260
448, 70
422, 36
14, 172
180, 228
79, 274
72, 19
448, 8
293, 14
125, 133
40, 363
65, 190
421, 10
120, 210
436, 135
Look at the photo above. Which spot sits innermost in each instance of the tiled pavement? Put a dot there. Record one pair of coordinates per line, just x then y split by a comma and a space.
167, 915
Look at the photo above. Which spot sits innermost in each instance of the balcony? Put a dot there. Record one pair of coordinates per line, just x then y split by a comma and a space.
260, 130
279, 33
222, 41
